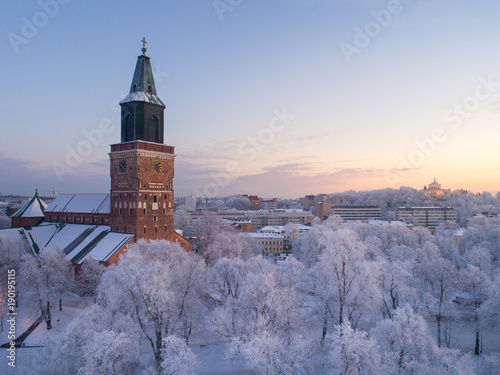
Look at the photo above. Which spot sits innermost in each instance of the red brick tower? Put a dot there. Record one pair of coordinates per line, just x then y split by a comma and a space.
142, 167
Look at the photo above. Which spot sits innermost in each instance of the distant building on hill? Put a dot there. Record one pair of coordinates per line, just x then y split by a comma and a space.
435, 190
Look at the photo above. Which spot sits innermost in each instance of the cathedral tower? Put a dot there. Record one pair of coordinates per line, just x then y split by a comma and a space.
142, 167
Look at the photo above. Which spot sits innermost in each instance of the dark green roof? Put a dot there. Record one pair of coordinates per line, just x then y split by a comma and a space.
143, 77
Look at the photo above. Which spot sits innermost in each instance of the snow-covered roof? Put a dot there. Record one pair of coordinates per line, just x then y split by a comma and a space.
387, 222
77, 241
263, 235
140, 96
80, 203
34, 208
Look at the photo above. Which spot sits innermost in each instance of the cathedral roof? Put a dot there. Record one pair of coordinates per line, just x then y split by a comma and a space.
34, 208
80, 203
143, 87
76, 240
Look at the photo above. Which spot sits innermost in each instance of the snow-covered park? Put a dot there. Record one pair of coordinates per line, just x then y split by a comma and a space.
354, 299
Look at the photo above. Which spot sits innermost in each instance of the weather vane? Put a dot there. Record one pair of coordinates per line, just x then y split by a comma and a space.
143, 49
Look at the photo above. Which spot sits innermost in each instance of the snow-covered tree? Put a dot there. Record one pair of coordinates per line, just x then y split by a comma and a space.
395, 280
345, 282
476, 284
46, 276
438, 276
353, 353
238, 202
405, 341
177, 358
5, 221
90, 276
95, 342
270, 354
229, 244
260, 308
157, 284
106, 352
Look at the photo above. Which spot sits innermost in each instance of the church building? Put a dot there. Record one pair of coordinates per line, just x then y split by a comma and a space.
140, 204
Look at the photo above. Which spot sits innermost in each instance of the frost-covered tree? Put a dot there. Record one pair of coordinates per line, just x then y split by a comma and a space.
95, 342
405, 341
238, 202
89, 276
46, 276
226, 279
353, 353
345, 282
182, 218
476, 284
271, 354
260, 308
157, 284
395, 280
106, 352
229, 244
177, 358
438, 276
5, 221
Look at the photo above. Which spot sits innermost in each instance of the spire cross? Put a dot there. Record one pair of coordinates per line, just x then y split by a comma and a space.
143, 49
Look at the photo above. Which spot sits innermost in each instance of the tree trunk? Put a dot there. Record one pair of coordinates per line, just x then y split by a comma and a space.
48, 318
325, 329
438, 319
476, 348
159, 347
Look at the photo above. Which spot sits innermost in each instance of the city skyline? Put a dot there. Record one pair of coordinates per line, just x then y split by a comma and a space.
279, 98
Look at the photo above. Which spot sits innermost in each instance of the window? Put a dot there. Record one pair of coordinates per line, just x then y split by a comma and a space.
155, 218
165, 228
120, 211
155, 199
130, 212
144, 229
144, 211
156, 229
145, 197
121, 197
124, 229
165, 196
130, 196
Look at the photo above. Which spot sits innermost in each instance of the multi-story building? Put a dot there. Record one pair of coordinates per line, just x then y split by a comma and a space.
254, 202
323, 210
352, 213
271, 243
268, 204
263, 218
429, 217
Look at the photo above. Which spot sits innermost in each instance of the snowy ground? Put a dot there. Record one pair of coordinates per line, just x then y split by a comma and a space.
210, 353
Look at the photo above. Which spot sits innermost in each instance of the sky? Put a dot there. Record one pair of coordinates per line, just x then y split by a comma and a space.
276, 98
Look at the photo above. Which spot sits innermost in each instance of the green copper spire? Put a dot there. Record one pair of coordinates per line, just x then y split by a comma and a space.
143, 80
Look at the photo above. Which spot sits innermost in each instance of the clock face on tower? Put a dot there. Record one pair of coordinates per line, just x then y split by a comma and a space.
122, 166
156, 166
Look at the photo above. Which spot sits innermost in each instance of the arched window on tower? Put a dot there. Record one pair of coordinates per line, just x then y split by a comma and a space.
127, 128
154, 129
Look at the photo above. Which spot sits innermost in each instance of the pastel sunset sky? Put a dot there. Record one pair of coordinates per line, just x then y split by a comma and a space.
267, 97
